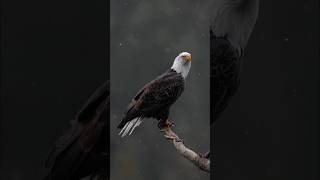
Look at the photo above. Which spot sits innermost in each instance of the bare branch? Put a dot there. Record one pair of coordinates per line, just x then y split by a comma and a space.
197, 159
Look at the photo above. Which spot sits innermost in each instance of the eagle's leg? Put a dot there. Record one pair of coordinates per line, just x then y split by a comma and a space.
162, 124
165, 126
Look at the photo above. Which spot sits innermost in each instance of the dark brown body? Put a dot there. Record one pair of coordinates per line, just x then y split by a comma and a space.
155, 98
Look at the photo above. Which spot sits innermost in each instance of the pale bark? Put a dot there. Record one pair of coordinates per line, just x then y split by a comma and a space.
197, 159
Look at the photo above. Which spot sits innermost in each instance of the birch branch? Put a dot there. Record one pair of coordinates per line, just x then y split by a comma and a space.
197, 159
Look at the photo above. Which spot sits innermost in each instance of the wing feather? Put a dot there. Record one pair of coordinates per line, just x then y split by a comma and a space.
159, 93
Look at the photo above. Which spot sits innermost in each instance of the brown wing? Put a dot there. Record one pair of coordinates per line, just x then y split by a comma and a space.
155, 98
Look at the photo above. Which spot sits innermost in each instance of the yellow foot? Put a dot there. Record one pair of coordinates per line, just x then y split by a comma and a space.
165, 124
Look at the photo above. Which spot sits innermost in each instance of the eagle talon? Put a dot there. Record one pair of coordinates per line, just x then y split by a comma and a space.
172, 124
164, 125
168, 124
170, 137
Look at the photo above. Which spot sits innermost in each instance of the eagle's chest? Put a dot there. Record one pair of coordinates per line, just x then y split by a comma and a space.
169, 92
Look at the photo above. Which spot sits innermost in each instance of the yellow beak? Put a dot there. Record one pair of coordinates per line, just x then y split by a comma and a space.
188, 58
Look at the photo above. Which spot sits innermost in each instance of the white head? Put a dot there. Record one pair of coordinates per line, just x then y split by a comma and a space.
182, 64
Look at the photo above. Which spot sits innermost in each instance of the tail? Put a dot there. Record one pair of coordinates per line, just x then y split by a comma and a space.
129, 126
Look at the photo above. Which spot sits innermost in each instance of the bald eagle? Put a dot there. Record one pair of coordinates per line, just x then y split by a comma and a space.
156, 97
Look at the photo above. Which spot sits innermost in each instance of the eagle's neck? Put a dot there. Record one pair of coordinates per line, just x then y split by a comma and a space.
181, 67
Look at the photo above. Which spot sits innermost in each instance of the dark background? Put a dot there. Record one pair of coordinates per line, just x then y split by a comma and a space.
54, 56
269, 131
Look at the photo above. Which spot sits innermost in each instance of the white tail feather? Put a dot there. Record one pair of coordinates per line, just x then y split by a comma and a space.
136, 125
124, 128
130, 126
127, 129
